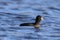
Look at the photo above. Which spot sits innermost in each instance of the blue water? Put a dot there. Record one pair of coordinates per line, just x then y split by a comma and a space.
15, 12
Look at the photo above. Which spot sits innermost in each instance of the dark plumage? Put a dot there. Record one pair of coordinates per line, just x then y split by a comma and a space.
36, 24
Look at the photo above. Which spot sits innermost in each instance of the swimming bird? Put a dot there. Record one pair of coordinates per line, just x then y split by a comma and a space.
36, 24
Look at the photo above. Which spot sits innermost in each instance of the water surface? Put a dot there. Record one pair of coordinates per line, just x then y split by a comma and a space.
15, 12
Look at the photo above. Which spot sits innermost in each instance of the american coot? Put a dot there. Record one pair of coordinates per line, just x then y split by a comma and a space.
36, 24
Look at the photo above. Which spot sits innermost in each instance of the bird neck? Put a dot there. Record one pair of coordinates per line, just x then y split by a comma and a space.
38, 19
37, 22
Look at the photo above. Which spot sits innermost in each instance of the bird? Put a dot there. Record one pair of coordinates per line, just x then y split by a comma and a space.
36, 24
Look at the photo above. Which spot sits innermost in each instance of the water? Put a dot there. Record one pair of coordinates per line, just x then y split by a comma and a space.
15, 12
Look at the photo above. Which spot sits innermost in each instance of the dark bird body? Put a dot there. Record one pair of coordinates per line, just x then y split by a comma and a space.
36, 24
